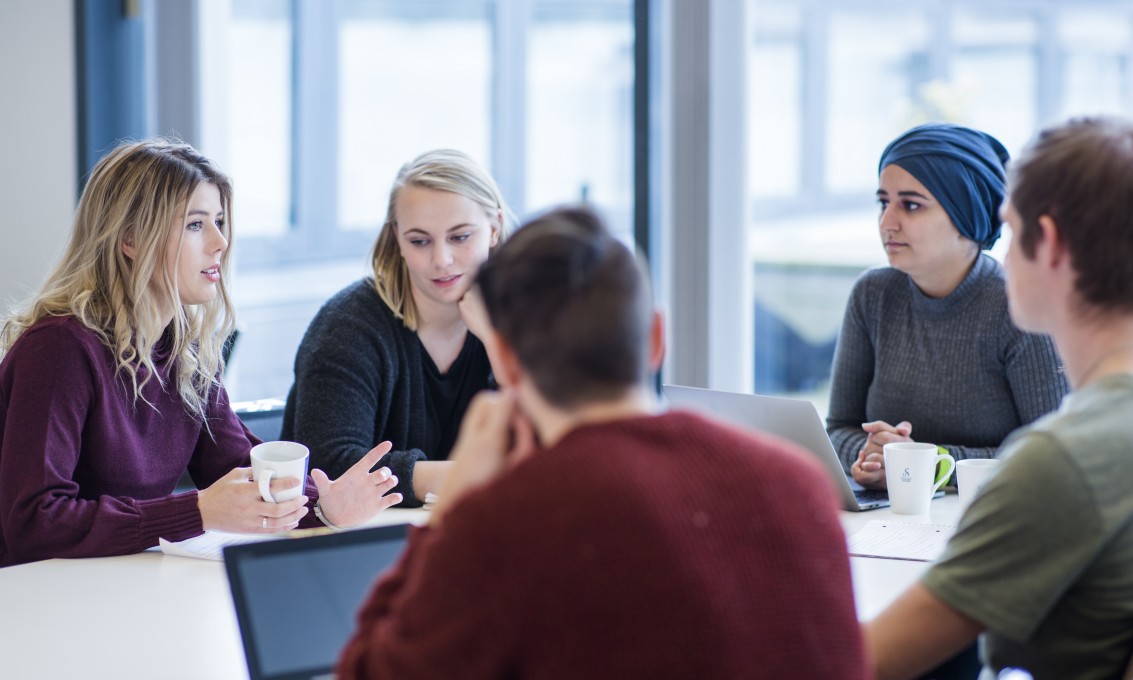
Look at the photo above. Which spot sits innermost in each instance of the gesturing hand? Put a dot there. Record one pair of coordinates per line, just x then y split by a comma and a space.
233, 504
493, 436
358, 494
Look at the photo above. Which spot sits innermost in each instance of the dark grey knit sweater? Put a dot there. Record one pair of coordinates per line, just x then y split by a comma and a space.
957, 368
360, 380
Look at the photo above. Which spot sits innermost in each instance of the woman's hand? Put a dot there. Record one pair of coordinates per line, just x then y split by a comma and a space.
233, 504
358, 494
869, 469
493, 436
474, 314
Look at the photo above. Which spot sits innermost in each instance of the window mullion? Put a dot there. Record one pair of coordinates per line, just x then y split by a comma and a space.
509, 99
315, 128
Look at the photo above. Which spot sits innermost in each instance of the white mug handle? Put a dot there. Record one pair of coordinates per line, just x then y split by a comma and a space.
943, 479
264, 482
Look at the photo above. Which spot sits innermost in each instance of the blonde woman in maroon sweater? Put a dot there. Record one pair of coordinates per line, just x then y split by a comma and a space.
109, 379
581, 535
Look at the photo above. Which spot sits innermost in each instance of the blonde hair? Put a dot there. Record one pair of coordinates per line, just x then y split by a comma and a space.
132, 197
441, 170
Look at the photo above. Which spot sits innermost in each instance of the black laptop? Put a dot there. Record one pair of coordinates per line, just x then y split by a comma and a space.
297, 598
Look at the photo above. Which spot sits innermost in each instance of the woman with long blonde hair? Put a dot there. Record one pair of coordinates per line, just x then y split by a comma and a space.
109, 379
398, 355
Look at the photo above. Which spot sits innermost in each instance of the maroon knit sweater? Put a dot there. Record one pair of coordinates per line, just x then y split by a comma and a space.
654, 547
84, 470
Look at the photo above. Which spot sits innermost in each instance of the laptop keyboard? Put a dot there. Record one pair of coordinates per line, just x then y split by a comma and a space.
871, 495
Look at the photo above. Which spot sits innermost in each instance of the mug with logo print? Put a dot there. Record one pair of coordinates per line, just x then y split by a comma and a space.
913, 473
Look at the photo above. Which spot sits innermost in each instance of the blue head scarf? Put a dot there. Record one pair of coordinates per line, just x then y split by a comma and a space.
962, 168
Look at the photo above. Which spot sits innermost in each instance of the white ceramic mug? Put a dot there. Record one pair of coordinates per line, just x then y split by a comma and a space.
971, 476
279, 460
913, 474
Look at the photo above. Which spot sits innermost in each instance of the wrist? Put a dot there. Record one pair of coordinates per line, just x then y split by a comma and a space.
323, 517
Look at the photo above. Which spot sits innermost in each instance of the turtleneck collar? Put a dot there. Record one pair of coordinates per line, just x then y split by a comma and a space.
940, 308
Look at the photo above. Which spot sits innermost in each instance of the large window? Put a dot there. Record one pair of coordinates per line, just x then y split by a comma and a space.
832, 81
324, 101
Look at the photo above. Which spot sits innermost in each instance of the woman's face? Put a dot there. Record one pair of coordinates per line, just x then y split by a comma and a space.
916, 232
196, 243
444, 238
196, 240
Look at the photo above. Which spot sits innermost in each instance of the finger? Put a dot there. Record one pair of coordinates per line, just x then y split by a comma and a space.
371, 458
388, 501
272, 524
385, 485
322, 482
278, 484
480, 410
904, 428
877, 426
283, 508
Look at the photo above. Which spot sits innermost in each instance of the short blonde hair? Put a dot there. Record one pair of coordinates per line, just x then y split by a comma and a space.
132, 197
441, 170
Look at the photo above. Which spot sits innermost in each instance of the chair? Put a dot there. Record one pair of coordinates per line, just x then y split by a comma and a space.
263, 417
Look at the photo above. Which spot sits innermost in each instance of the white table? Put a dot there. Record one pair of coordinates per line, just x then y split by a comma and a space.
149, 615
878, 582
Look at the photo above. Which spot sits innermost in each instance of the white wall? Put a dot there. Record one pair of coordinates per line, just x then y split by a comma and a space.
38, 147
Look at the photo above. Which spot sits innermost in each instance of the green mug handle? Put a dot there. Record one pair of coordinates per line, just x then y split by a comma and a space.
943, 469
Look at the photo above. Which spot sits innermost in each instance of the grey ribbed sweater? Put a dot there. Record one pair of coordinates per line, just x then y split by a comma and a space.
957, 368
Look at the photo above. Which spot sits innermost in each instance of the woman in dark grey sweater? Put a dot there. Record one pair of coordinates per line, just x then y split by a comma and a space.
396, 357
927, 343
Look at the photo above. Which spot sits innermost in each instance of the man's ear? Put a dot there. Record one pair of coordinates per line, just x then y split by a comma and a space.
656, 342
1051, 248
504, 360
128, 247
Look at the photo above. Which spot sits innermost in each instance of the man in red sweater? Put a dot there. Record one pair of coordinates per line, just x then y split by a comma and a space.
582, 535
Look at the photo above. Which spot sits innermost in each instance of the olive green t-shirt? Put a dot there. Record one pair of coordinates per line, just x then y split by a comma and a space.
1043, 557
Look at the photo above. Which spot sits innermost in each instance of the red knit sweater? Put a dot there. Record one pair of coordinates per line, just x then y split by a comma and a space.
655, 547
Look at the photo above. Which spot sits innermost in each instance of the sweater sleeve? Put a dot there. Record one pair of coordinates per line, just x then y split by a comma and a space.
50, 386
1034, 376
341, 371
850, 380
408, 627
1034, 371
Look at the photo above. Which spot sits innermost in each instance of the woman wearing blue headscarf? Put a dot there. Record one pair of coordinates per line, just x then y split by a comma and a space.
927, 351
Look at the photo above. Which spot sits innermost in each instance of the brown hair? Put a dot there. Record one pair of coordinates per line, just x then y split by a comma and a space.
574, 303
1080, 174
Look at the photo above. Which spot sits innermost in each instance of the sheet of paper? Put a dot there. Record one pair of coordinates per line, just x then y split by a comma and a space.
900, 540
209, 545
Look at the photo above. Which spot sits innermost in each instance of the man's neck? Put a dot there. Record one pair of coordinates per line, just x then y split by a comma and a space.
552, 423
1095, 348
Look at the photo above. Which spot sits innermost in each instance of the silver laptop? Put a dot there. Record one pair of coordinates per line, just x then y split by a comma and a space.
795, 420
296, 599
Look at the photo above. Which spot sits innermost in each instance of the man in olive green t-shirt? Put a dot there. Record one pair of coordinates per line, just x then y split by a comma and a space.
1042, 562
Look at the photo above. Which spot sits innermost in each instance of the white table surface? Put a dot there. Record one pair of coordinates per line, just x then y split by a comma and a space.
155, 616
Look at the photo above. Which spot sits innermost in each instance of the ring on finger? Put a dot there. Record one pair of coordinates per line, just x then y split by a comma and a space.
265, 523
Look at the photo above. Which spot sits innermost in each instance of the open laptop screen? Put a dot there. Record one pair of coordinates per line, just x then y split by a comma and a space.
296, 598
